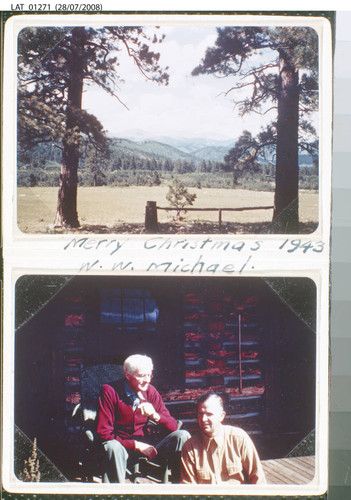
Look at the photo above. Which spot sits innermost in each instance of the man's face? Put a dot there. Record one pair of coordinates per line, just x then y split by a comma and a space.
210, 416
140, 379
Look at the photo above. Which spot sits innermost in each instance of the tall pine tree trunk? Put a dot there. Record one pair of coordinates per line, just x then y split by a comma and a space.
66, 214
286, 216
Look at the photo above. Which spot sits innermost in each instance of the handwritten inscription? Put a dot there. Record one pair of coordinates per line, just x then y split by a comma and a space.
111, 246
198, 266
160, 243
116, 266
162, 254
297, 244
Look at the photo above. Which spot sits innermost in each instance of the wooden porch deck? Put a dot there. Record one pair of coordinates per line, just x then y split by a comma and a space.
294, 470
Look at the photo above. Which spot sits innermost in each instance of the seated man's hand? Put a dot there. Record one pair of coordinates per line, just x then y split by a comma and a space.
146, 449
147, 410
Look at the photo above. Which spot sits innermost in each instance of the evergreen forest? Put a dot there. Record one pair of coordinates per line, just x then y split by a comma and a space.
151, 163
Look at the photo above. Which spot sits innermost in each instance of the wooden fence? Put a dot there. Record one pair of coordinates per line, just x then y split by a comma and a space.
151, 222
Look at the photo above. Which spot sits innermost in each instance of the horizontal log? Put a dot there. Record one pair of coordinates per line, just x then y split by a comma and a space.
192, 209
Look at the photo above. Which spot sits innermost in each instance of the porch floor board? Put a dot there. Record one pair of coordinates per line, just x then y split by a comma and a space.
294, 470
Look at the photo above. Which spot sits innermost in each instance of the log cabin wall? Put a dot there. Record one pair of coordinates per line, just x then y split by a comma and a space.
223, 342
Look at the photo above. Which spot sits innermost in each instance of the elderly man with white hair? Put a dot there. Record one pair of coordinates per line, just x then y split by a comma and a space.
125, 409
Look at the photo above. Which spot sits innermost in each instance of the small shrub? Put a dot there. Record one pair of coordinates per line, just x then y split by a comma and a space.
31, 472
179, 197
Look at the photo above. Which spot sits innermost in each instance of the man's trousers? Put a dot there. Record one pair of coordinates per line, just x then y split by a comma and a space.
168, 448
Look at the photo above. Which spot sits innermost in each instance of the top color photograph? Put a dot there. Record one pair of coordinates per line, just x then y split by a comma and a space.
182, 128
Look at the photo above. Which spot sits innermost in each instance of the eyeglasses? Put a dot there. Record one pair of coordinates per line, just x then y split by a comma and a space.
143, 376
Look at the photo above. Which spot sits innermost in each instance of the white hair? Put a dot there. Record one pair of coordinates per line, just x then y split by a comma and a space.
137, 362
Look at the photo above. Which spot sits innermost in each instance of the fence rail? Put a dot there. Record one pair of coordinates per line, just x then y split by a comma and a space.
151, 222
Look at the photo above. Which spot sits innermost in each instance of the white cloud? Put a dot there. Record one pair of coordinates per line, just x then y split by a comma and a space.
188, 106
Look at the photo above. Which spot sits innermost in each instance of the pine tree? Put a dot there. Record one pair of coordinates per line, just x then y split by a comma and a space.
54, 65
286, 83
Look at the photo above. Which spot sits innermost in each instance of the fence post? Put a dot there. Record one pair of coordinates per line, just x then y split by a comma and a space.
220, 217
151, 225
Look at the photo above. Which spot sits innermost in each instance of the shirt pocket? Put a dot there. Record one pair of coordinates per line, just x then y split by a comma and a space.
204, 476
234, 467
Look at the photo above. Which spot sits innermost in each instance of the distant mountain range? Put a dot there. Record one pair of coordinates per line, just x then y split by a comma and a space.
192, 150
186, 149
194, 145
187, 144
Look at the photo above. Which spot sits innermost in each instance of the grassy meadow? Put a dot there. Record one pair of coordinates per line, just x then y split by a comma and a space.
122, 209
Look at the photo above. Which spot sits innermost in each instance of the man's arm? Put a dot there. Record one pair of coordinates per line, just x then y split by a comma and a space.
251, 463
187, 466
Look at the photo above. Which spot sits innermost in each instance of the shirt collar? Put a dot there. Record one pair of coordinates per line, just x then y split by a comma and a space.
133, 398
218, 438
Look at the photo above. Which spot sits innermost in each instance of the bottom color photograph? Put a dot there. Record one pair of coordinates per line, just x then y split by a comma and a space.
165, 380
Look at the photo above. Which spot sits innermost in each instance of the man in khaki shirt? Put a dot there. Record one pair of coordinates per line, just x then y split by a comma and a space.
219, 453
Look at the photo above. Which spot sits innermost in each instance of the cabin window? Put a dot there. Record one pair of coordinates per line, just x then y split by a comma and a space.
129, 309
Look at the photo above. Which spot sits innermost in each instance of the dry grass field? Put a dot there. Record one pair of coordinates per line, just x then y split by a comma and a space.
122, 209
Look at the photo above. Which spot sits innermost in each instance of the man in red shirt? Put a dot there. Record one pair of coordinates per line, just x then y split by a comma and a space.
125, 409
